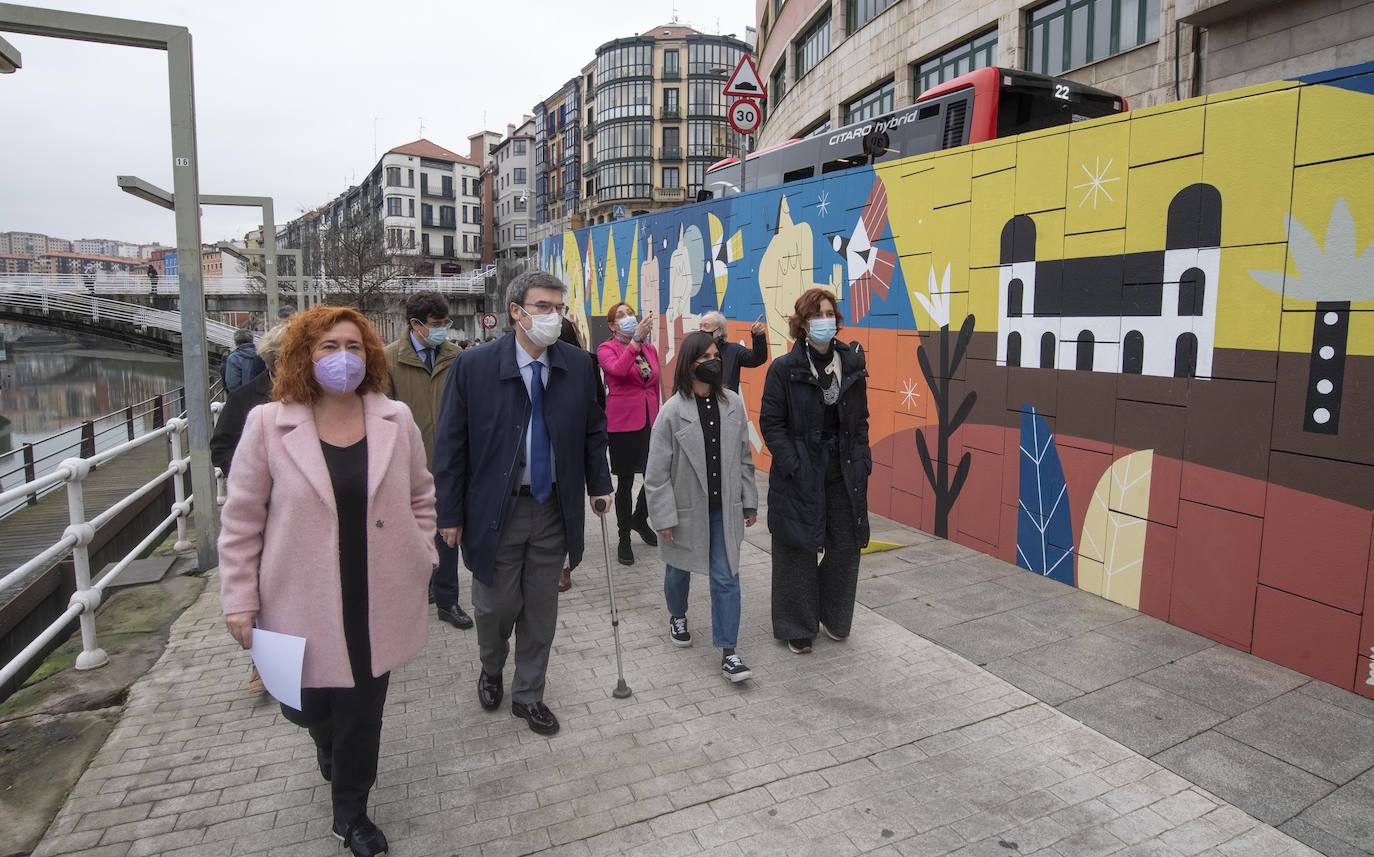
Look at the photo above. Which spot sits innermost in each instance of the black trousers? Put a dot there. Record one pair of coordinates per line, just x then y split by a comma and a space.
443, 582
346, 722
805, 591
629, 513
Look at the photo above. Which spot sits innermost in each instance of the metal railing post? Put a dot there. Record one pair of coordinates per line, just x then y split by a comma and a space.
129, 420
88, 597
178, 469
159, 419
87, 439
30, 471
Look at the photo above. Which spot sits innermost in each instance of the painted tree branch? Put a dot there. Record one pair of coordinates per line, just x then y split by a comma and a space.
937, 468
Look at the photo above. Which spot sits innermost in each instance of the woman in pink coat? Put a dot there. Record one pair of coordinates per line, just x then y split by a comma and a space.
328, 534
629, 363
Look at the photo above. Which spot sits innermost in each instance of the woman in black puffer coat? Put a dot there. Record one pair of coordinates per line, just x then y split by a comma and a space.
814, 420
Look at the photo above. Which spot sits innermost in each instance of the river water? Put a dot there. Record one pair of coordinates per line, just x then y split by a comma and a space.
50, 381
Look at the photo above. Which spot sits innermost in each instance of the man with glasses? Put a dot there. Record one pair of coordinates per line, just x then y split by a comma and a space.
519, 440
733, 356
418, 366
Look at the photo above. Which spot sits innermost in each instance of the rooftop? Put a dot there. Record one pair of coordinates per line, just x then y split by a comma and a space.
423, 148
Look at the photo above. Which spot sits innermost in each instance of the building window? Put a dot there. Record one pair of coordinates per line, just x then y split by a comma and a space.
465, 186
813, 44
622, 100
625, 61
448, 245
519, 147
671, 107
410, 178
446, 217
393, 176
411, 207
465, 215
447, 184
519, 203
712, 58
624, 140
424, 245
520, 232
1067, 34
672, 66
520, 175
624, 181
393, 206
672, 142
875, 103
672, 177
860, 12
978, 52
712, 140
777, 82
818, 128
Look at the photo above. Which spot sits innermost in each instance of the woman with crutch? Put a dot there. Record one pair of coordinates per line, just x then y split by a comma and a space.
701, 494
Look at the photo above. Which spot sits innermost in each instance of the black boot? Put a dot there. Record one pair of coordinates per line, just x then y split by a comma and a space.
646, 533
624, 553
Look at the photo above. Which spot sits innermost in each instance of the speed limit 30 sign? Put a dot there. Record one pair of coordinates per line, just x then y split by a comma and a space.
745, 116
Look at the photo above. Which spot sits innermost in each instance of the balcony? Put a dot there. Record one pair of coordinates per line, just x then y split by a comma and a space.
672, 74
431, 223
670, 194
589, 166
670, 154
670, 113
425, 190
708, 151
589, 129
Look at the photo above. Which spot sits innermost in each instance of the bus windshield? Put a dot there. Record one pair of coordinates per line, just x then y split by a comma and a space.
1029, 105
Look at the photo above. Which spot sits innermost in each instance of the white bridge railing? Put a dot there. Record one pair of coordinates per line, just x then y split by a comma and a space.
80, 532
121, 283
104, 309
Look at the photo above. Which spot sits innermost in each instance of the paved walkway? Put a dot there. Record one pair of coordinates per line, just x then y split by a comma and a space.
886, 744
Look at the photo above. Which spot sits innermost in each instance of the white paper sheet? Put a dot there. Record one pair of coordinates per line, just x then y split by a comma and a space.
278, 658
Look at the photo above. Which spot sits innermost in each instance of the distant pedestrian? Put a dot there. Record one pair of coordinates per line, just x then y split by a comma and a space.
152, 280
328, 534
284, 312
700, 483
88, 277
519, 441
243, 363
629, 363
417, 372
239, 402
734, 356
814, 419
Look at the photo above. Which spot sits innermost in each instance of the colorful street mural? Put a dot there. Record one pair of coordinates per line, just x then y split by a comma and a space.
1134, 354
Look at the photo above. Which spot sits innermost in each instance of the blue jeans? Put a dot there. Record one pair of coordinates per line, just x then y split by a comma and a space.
724, 590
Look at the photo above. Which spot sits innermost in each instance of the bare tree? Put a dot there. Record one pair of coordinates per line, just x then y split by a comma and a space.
355, 263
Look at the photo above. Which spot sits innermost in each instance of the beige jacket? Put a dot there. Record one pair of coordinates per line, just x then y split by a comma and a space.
412, 383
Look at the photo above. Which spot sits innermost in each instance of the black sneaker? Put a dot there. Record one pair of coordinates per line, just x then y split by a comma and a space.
800, 646
624, 553
362, 837
677, 630
455, 616
839, 638
734, 669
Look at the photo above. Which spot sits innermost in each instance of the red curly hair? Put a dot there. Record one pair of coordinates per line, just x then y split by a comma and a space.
295, 367
808, 307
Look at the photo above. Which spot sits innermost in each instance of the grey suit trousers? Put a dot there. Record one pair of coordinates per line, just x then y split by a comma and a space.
522, 597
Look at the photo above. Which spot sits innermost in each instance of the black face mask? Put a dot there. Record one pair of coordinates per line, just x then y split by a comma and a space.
708, 372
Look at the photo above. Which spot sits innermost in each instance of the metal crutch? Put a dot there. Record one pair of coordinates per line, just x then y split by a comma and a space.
622, 690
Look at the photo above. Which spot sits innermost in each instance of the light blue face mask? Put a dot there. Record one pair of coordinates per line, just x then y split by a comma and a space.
628, 324
821, 330
437, 336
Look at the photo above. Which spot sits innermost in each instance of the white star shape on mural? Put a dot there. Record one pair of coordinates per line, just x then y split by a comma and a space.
1097, 182
823, 203
909, 393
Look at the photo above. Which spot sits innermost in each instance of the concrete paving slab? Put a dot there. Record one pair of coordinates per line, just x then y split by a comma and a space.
1144, 718
1320, 839
1268, 789
1147, 632
139, 572
1092, 661
1224, 679
918, 615
982, 599
1331, 742
1050, 691
993, 637
1074, 611
1347, 813
1361, 705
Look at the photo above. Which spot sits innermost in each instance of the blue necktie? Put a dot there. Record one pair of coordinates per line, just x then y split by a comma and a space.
541, 479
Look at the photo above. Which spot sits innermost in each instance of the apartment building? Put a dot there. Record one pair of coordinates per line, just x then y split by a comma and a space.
829, 63
512, 175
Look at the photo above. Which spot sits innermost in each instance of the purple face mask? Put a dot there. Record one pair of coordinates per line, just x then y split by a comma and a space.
340, 372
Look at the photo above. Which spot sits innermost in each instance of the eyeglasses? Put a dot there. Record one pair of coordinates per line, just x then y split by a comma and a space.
545, 308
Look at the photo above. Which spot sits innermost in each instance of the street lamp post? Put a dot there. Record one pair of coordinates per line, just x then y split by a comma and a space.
176, 41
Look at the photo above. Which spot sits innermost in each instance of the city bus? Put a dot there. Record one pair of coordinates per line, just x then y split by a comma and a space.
981, 105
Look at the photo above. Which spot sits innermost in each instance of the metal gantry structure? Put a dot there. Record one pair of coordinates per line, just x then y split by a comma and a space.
176, 43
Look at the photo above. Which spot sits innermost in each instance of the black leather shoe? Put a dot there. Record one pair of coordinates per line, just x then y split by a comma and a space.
538, 715
362, 837
647, 533
489, 691
625, 553
455, 616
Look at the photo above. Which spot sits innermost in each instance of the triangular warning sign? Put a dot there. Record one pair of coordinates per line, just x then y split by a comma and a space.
744, 81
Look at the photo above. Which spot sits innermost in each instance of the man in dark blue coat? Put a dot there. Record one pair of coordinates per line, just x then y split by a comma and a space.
519, 438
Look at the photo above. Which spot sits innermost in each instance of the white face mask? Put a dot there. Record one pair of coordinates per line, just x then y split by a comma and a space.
543, 330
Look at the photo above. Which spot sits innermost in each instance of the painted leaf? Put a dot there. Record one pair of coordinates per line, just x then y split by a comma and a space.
1044, 528
1111, 548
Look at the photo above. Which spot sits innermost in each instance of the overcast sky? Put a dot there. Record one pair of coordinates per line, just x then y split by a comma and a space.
285, 106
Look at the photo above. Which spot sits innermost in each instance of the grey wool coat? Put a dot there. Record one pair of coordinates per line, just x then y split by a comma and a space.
675, 482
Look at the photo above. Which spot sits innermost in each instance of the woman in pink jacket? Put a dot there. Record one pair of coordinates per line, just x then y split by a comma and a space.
629, 363
328, 534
